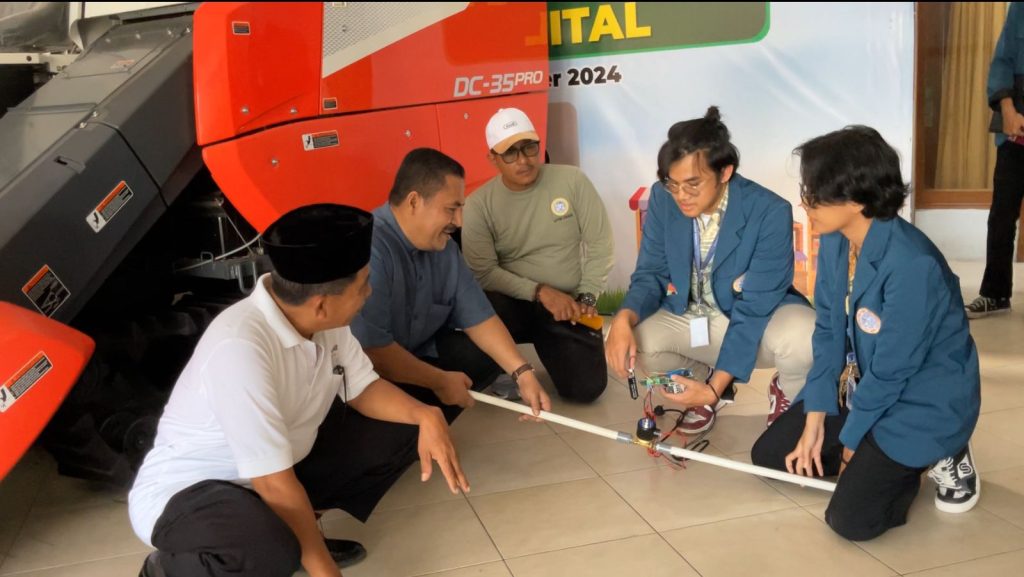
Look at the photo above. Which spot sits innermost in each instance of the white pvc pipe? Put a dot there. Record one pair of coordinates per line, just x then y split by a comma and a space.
661, 447
572, 423
749, 468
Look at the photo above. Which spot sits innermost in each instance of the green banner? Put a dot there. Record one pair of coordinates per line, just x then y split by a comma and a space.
591, 28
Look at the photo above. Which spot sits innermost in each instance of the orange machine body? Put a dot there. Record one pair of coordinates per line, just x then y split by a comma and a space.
298, 103
40, 361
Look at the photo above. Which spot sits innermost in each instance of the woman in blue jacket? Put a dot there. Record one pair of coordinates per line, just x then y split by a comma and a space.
894, 388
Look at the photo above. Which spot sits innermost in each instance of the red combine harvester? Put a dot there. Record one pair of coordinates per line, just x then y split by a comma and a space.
136, 176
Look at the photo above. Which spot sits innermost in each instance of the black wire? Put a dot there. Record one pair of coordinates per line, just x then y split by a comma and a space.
702, 443
661, 410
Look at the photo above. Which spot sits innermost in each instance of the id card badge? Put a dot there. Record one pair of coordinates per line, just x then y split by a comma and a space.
699, 335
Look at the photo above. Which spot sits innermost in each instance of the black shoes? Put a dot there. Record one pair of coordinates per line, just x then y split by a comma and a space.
983, 306
344, 552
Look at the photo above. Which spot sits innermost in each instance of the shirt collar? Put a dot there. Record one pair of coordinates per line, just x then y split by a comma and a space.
386, 216
276, 320
715, 222
720, 211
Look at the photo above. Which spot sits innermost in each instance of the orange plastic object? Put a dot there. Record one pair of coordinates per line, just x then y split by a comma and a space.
595, 322
40, 360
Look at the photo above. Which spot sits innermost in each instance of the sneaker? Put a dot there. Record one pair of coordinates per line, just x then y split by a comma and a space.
505, 388
344, 552
151, 567
984, 306
698, 420
958, 485
777, 401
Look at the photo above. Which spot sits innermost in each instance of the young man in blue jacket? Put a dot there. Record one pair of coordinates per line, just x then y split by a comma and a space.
713, 281
895, 386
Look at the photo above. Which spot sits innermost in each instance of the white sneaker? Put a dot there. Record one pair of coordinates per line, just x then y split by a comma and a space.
959, 487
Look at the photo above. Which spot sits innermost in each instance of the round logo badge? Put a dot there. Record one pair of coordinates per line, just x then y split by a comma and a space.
868, 321
737, 285
559, 207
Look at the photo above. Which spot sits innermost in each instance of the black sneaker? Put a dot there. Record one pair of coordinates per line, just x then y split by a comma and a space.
151, 567
344, 552
958, 485
984, 306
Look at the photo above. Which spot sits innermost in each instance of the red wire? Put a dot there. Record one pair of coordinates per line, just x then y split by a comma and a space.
649, 413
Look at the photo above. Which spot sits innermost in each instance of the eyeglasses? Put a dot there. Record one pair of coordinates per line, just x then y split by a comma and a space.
677, 187
530, 149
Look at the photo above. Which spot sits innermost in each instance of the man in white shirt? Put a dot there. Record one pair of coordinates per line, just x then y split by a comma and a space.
279, 414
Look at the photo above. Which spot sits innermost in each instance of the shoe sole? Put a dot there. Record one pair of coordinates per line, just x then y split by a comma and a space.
981, 315
705, 428
959, 507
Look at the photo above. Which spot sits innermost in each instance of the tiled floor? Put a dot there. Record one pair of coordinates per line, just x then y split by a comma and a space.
549, 501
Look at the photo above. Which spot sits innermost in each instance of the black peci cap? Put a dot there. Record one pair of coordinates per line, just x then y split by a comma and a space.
319, 243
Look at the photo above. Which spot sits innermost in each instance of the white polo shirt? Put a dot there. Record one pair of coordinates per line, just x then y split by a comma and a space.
248, 403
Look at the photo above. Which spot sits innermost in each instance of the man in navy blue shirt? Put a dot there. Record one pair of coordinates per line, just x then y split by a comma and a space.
428, 324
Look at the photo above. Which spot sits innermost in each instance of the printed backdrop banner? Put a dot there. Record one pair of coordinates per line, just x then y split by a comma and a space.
781, 73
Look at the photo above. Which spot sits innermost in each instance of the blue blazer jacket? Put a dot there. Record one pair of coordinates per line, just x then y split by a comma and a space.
919, 393
752, 272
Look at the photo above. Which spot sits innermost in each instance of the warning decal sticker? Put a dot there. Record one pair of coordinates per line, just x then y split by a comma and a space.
22, 381
110, 206
317, 140
46, 291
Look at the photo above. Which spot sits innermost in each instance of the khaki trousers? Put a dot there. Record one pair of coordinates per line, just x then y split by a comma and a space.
663, 344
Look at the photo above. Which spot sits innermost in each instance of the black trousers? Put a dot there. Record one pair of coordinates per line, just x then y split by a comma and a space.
217, 528
873, 494
1007, 196
456, 352
572, 355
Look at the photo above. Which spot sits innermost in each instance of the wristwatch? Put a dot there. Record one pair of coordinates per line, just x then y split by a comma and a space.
519, 372
587, 299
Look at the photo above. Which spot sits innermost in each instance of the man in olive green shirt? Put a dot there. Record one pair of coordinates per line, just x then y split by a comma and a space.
537, 238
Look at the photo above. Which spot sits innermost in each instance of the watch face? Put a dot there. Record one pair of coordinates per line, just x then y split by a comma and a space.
587, 299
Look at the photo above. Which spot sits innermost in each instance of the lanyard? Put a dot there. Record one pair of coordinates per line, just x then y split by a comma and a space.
701, 264
851, 373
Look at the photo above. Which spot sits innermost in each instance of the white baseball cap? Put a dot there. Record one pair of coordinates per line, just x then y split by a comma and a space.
507, 127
